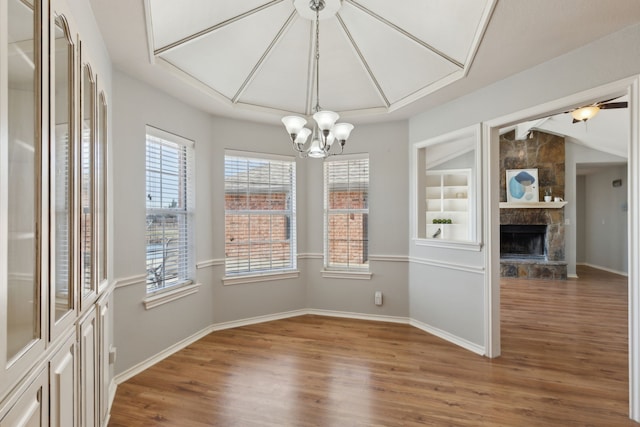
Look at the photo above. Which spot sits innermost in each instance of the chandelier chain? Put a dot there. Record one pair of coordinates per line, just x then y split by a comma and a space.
317, 60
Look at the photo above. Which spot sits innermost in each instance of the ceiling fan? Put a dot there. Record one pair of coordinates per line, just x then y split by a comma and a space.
582, 114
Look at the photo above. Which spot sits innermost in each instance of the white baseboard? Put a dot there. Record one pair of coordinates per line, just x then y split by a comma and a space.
609, 270
468, 345
145, 364
113, 387
359, 316
256, 320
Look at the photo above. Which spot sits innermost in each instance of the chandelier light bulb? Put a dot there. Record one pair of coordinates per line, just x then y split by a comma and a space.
302, 136
325, 119
342, 131
294, 124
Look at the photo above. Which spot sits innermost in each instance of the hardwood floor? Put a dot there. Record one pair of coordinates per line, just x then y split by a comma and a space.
563, 363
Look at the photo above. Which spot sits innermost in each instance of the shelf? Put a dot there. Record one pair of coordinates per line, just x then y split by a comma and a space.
532, 205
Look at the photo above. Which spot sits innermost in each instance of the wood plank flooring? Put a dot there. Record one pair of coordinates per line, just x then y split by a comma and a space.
563, 363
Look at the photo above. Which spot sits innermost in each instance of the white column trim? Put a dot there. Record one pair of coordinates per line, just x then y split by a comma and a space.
634, 250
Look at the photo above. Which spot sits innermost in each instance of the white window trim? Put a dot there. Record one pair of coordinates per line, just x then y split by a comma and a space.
267, 275
343, 272
163, 296
346, 274
257, 278
157, 297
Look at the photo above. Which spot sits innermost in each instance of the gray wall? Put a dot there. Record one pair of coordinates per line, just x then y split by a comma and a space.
606, 244
139, 333
579, 155
437, 291
388, 227
580, 227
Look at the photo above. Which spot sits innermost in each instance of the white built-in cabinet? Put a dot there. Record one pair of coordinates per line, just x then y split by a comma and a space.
447, 204
55, 296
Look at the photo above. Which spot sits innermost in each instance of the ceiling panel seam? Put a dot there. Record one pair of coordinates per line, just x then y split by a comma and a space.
264, 56
406, 34
364, 62
216, 27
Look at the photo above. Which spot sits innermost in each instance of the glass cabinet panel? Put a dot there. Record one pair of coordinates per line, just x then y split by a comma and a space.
101, 191
63, 154
86, 176
22, 180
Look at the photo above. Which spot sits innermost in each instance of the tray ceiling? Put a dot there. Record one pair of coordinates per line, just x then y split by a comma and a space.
374, 55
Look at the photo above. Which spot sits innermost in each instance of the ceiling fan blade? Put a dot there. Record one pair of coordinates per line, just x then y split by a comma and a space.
576, 121
599, 104
614, 105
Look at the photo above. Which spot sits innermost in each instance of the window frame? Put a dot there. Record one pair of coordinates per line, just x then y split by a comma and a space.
333, 270
473, 134
186, 266
251, 275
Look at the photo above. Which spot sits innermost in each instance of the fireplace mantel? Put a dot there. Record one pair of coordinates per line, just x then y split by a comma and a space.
532, 205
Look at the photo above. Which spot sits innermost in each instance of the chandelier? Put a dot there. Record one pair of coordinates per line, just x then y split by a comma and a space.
325, 129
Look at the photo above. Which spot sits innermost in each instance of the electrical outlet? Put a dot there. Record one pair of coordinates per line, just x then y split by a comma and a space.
378, 298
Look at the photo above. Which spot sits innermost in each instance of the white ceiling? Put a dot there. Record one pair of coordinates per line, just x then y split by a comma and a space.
377, 56
373, 55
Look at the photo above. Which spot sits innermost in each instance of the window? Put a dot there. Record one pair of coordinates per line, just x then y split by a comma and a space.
260, 213
346, 212
170, 210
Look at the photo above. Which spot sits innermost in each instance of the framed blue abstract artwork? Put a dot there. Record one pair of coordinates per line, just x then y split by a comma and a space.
522, 185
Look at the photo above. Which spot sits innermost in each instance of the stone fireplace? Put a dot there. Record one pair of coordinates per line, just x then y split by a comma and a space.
532, 238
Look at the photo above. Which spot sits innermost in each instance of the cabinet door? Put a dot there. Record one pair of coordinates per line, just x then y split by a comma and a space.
31, 408
88, 369
62, 385
22, 198
88, 277
62, 311
104, 362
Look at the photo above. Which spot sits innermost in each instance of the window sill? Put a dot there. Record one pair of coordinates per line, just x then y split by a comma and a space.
449, 244
337, 274
256, 278
164, 296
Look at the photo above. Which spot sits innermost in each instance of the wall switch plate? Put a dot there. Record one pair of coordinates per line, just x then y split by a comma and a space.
378, 298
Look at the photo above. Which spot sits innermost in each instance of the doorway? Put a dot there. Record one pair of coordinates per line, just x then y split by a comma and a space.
491, 187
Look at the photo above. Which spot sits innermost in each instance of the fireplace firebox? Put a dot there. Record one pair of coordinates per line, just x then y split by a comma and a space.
522, 241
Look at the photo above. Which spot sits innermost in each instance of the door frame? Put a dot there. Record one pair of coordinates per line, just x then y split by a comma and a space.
491, 222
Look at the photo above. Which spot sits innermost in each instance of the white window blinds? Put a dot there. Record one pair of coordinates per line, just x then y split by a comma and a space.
346, 202
260, 214
170, 210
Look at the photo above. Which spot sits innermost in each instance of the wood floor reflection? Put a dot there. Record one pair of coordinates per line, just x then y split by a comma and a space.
564, 363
